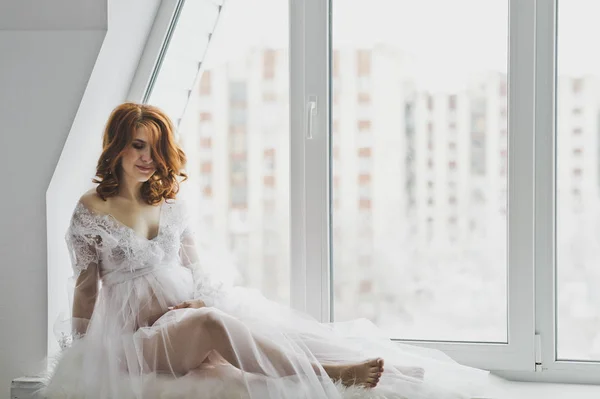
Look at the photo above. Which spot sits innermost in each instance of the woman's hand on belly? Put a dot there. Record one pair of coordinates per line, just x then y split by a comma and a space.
191, 304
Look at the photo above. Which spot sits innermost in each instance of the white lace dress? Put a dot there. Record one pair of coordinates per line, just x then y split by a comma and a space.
128, 344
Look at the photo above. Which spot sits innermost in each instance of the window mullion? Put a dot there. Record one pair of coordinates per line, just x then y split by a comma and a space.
297, 158
521, 191
310, 157
545, 178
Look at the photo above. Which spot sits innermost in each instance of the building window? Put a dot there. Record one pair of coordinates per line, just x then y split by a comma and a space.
364, 204
430, 103
364, 125
364, 98
363, 63
206, 142
364, 152
206, 167
452, 102
366, 286
364, 179
269, 64
577, 85
205, 84
269, 181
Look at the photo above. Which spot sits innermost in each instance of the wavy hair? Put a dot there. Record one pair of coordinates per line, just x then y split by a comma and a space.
168, 157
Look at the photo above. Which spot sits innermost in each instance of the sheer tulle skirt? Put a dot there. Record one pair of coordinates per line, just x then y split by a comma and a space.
277, 352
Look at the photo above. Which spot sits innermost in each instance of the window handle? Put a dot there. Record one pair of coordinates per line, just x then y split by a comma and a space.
312, 112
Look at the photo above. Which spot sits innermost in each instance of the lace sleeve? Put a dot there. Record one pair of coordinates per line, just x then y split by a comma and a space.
82, 241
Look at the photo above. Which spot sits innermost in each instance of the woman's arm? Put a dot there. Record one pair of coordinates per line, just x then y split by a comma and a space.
83, 242
188, 252
205, 288
85, 294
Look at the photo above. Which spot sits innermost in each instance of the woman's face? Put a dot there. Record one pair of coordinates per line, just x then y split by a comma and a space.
137, 162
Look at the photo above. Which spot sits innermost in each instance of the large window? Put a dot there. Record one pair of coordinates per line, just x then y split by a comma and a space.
578, 183
432, 166
419, 167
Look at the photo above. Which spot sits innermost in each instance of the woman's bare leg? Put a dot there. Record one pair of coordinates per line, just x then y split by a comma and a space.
182, 346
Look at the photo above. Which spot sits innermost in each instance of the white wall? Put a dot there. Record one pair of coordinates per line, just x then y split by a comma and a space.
130, 22
43, 73
64, 65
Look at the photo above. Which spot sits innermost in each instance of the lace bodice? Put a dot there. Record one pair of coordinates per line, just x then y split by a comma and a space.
140, 277
95, 238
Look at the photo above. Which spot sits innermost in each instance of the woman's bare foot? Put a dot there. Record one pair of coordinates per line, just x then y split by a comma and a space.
365, 374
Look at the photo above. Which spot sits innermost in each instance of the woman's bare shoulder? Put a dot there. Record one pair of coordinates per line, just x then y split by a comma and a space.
92, 201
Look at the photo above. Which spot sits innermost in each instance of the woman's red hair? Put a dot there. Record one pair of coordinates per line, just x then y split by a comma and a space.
168, 157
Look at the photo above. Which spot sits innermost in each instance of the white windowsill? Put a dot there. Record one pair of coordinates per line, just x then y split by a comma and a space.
538, 390
505, 389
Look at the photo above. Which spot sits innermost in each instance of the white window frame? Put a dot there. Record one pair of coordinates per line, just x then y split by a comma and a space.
549, 368
155, 49
311, 273
309, 158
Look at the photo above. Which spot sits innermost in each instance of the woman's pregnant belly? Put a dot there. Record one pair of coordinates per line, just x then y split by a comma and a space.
164, 288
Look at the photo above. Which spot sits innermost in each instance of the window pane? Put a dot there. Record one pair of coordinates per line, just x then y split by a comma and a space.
419, 167
235, 131
578, 182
